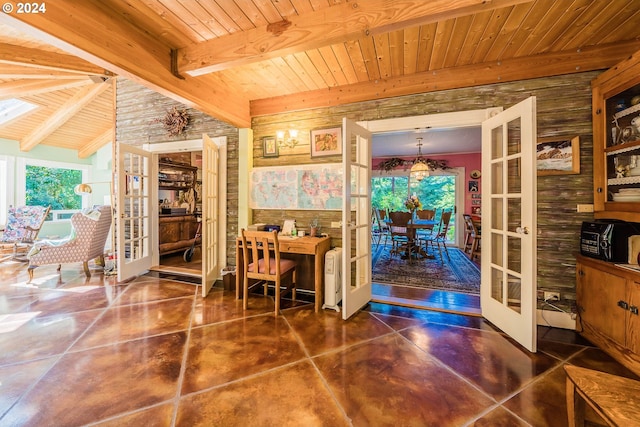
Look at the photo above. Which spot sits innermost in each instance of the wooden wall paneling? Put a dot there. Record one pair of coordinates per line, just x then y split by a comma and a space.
564, 108
136, 109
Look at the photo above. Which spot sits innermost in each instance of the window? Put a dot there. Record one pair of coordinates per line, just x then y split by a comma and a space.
13, 108
47, 183
6, 192
389, 192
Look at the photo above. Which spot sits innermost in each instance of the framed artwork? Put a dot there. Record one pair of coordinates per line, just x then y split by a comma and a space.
269, 146
473, 186
558, 156
476, 196
326, 142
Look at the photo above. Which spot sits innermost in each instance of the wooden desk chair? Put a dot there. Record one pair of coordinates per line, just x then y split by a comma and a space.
471, 237
262, 262
400, 234
613, 398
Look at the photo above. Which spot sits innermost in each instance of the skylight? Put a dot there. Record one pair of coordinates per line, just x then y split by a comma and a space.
13, 108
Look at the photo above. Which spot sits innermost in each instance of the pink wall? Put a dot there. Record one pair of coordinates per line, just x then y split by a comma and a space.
469, 161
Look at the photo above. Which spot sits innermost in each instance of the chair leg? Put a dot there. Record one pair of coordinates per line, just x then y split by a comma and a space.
30, 270
277, 297
85, 267
293, 284
245, 292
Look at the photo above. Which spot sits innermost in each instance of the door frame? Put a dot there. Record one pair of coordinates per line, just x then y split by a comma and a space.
189, 146
455, 119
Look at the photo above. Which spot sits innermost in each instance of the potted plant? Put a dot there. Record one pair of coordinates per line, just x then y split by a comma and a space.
314, 227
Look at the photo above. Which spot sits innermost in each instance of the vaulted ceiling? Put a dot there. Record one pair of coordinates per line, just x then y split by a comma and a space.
236, 59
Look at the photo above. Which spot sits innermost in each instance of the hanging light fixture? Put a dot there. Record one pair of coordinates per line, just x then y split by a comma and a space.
420, 168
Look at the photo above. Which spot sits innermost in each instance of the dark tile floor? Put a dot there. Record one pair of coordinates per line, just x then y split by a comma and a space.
152, 352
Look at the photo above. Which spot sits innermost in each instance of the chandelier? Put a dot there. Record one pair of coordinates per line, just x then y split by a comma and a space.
420, 168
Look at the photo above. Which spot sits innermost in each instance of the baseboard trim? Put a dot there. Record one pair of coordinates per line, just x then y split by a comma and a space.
555, 319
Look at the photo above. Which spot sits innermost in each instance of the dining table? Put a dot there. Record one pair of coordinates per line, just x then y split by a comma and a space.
412, 227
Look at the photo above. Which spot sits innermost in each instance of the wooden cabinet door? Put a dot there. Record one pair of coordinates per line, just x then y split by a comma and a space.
598, 294
633, 319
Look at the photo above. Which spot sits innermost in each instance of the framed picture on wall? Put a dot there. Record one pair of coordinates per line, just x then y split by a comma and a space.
473, 186
269, 146
326, 142
558, 156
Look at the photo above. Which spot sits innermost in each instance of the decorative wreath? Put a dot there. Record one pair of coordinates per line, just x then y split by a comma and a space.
394, 162
175, 121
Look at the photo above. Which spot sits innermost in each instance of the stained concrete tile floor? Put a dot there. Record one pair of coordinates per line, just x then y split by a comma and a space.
153, 352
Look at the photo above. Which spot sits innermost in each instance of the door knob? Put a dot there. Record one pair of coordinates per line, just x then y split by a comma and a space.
522, 230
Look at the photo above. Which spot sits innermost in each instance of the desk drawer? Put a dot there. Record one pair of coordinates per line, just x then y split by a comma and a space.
296, 247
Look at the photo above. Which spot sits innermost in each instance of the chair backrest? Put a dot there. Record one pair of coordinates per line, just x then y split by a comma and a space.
257, 246
92, 229
380, 216
399, 221
445, 219
470, 225
24, 223
426, 213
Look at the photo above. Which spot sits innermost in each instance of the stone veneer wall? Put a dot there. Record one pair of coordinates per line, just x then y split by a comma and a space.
136, 109
563, 109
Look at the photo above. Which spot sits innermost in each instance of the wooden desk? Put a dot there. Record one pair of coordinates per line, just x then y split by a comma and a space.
307, 246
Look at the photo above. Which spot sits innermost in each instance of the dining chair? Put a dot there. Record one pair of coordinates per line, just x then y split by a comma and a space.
401, 237
471, 238
262, 262
426, 213
383, 227
429, 214
440, 237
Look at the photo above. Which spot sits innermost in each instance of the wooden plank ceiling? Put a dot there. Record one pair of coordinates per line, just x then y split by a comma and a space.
235, 59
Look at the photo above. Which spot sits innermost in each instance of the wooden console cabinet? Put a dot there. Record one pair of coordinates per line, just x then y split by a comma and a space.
176, 232
608, 303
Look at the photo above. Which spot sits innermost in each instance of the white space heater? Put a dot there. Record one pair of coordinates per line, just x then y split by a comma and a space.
333, 279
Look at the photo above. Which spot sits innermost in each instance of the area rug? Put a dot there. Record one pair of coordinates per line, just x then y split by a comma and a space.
457, 274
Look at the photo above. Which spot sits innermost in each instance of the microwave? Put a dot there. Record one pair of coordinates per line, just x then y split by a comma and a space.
607, 239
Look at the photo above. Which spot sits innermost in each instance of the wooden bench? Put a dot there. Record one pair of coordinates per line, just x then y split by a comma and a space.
615, 399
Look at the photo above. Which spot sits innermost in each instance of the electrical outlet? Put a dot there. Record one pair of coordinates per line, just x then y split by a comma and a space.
551, 296
336, 224
585, 208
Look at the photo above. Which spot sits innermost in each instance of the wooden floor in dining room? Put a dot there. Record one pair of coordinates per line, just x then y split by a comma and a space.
427, 299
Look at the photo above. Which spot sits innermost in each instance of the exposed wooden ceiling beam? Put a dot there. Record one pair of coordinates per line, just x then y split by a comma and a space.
22, 88
96, 143
550, 64
340, 23
74, 104
94, 32
12, 71
12, 54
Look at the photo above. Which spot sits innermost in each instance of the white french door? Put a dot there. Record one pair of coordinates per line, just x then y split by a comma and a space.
356, 218
508, 284
136, 183
210, 213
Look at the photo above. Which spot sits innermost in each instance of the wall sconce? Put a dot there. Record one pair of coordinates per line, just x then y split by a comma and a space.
288, 138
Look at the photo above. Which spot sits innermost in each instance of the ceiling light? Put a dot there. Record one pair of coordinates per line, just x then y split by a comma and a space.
420, 168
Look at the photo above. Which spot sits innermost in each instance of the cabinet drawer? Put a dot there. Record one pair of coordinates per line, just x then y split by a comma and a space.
295, 247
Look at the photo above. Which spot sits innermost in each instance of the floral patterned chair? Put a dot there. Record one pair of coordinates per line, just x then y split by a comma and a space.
88, 237
21, 231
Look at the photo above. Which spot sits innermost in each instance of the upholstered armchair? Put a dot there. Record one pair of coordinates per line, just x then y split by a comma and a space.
21, 231
89, 231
